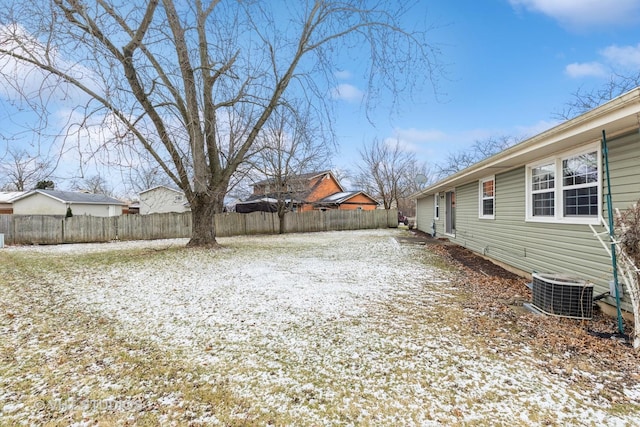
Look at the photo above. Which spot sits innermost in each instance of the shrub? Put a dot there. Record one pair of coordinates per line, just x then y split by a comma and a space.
628, 222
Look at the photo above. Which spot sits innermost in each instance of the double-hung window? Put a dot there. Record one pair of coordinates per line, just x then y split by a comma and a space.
580, 185
543, 184
565, 189
486, 202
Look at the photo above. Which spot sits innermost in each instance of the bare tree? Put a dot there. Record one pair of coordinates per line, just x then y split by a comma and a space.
480, 150
586, 100
342, 175
21, 171
143, 177
416, 177
385, 171
290, 145
95, 184
194, 83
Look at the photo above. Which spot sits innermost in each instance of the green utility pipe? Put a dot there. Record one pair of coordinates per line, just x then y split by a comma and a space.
612, 233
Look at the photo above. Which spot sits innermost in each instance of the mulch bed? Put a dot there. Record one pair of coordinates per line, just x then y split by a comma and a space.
499, 295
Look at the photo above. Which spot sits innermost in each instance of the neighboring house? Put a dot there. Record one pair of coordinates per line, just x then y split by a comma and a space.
132, 208
162, 199
305, 192
6, 201
530, 206
349, 200
53, 202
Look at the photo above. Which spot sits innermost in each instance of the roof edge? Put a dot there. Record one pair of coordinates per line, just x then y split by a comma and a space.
549, 137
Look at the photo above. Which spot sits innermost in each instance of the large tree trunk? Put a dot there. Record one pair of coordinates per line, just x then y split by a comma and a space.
281, 228
203, 230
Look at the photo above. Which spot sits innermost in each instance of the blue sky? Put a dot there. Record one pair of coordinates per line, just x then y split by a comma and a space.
510, 64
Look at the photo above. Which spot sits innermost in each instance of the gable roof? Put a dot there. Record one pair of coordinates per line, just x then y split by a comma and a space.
161, 186
319, 182
617, 117
9, 196
271, 197
300, 177
339, 198
74, 197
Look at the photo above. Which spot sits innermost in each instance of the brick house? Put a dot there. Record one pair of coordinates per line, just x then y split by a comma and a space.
306, 192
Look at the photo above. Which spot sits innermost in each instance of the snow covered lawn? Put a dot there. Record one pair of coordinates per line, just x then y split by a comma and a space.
337, 328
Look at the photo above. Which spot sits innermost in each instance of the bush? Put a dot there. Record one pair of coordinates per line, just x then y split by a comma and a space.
628, 222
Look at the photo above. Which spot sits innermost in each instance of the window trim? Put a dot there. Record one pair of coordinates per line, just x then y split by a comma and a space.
481, 198
558, 191
436, 206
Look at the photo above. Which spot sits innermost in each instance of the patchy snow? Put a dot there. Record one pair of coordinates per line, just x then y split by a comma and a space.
83, 248
336, 328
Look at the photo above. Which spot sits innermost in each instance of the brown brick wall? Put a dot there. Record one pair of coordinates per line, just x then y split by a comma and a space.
359, 201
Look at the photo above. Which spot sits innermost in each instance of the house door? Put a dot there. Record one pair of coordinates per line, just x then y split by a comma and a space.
450, 215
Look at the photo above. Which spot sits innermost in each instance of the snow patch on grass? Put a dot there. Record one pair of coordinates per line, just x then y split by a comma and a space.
337, 328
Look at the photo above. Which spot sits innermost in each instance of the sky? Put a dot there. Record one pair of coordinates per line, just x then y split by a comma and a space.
509, 66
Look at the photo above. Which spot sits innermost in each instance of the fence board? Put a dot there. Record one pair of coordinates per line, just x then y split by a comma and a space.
41, 229
37, 229
230, 224
6, 228
85, 228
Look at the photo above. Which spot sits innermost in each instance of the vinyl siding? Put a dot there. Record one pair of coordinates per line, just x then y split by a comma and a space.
162, 200
624, 168
529, 246
440, 222
424, 214
39, 204
545, 247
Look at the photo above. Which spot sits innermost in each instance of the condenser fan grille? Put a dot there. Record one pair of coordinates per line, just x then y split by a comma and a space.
563, 296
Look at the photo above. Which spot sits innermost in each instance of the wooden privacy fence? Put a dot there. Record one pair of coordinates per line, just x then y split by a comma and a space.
43, 229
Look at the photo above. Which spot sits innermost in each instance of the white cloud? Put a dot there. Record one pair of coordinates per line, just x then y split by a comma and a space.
419, 135
347, 92
621, 59
534, 129
343, 75
420, 141
581, 14
585, 69
24, 80
434, 145
623, 56
404, 145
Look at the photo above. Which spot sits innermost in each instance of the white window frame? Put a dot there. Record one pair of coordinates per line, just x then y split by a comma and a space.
559, 187
482, 198
436, 206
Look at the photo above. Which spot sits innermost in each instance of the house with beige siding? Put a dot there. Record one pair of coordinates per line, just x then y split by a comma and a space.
163, 199
532, 206
53, 202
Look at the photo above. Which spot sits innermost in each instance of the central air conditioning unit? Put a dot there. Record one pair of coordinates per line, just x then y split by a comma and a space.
561, 295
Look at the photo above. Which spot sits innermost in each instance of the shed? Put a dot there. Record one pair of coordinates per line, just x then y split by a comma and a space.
163, 199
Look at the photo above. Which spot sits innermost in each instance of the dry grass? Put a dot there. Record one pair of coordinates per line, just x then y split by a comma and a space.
408, 347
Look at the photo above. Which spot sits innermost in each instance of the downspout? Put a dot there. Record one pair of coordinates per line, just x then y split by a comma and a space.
612, 233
